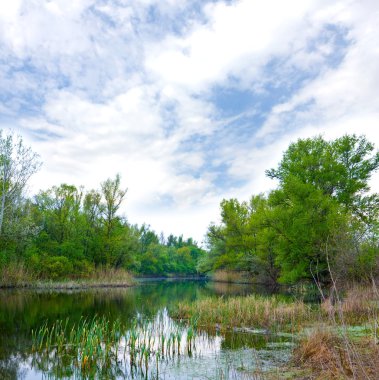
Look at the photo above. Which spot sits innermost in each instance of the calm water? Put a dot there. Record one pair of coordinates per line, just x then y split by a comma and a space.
234, 355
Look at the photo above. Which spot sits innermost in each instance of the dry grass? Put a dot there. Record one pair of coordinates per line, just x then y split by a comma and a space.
231, 277
330, 352
322, 352
101, 277
359, 304
111, 276
329, 356
251, 311
15, 275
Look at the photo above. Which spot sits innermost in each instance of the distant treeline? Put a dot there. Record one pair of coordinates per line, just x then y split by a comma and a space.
321, 223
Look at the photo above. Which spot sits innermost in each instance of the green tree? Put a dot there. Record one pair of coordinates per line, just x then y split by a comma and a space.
17, 164
304, 219
113, 196
322, 190
340, 168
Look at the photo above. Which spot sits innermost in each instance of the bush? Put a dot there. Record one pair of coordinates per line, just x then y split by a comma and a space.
83, 268
56, 267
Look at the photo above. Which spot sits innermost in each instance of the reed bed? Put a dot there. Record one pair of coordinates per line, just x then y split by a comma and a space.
252, 311
231, 277
325, 349
98, 346
15, 275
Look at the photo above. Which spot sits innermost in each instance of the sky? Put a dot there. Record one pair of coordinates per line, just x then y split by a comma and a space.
189, 100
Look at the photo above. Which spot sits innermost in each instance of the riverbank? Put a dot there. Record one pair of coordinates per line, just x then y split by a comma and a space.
101, 277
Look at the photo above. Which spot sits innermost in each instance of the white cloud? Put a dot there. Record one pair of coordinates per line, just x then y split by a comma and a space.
102, 87
236, 41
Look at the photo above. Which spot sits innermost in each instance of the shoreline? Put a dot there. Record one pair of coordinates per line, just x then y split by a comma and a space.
93, 284
65, 285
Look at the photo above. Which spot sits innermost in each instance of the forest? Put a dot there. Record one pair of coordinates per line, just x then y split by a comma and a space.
68, 232
319, 223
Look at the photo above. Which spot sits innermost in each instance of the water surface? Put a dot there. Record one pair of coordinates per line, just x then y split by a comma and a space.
233, 355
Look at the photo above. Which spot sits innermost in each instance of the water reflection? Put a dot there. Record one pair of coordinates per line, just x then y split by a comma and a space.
234, 354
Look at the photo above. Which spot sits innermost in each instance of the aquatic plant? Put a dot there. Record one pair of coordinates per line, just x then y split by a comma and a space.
99, 345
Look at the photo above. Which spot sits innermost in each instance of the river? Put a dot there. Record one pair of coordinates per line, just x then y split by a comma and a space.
212, 355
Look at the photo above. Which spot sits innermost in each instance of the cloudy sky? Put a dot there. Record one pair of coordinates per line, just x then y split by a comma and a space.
189, 100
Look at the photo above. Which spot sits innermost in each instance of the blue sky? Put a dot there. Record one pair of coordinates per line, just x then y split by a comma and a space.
190, 101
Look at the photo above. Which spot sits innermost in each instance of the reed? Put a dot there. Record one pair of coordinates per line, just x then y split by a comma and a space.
252, 311
15, 275
98, 345
358, 305
231, 277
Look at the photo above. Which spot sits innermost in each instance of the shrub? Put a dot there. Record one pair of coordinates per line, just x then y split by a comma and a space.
56, 267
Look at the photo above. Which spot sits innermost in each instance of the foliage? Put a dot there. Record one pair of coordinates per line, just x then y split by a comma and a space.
321, 217
17, 164
82, 230
67, 232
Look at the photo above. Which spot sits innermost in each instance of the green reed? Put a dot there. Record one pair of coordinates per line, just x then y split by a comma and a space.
92, 346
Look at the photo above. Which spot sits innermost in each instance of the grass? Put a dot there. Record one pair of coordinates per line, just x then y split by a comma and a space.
328, 355
231, 277
97, 346
251, 311
359, 305
16, 276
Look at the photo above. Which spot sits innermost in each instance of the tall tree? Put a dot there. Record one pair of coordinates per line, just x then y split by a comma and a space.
340, 168
17, 164
113, 196
323, 188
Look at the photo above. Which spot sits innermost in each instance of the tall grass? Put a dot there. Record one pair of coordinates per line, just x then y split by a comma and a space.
327, 355
341, 349
251, 311
358, 304
231, 277
15, 274
110, 276
96, 346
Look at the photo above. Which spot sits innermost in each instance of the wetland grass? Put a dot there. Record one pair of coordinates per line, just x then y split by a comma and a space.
326, 354
325, 336
251, 311
98, 345
333, 340
17, 276
231, 277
